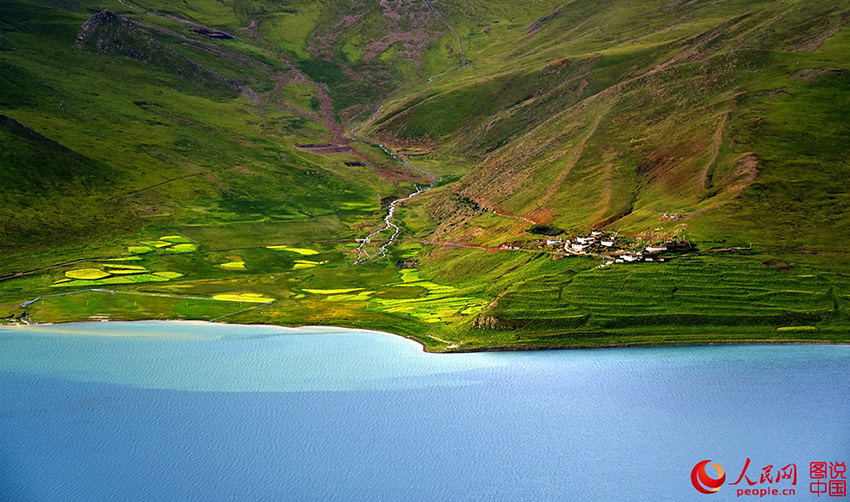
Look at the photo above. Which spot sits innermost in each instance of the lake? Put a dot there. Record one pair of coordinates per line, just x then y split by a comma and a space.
191, 411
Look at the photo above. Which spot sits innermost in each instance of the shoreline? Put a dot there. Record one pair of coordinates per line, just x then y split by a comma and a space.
424, 348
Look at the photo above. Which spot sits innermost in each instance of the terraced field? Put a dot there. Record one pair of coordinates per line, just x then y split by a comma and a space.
699, 297
679, 294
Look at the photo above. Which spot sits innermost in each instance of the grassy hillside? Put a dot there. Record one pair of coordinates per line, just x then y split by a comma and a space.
160, 125
220, 161
609, 114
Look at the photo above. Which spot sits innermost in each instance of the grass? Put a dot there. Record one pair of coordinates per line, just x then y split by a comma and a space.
117, 267
86, 273
523, 300
301, 251
135, 278
436, 305
139, 249
244, 297
174, 239
181, 248
330, 291
704, 292
126, 271
647, 152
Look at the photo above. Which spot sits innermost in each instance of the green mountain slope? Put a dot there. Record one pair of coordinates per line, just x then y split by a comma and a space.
235, 161
608, 115
165, 118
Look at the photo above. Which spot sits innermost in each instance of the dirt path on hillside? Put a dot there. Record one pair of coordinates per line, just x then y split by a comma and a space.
506, 214
326, 105
716, 141
450, 27
253, 29
577, 153
133, 192
606, 194
691, 53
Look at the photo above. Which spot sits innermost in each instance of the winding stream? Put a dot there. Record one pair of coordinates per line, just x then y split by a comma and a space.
362, 254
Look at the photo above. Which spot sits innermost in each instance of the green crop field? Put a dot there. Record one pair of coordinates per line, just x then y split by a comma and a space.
152, 172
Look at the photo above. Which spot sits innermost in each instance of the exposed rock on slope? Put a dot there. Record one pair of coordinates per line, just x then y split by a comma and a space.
365, 49
109, 33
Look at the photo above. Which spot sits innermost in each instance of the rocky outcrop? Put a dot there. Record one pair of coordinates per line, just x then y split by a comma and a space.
109, 33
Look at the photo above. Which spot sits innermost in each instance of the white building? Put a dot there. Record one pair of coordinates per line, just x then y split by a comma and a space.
657, 248
579, 246
607, 243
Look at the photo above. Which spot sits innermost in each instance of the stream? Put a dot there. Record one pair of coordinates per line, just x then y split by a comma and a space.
362, 254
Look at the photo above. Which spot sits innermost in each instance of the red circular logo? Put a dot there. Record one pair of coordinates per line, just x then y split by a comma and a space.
705, 483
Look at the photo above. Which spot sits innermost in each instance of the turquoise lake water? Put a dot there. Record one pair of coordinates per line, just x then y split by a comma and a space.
160, 411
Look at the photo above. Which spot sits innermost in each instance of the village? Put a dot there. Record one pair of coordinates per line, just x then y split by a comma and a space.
610, 247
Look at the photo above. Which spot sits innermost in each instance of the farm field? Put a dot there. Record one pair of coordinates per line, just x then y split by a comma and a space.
514, 299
